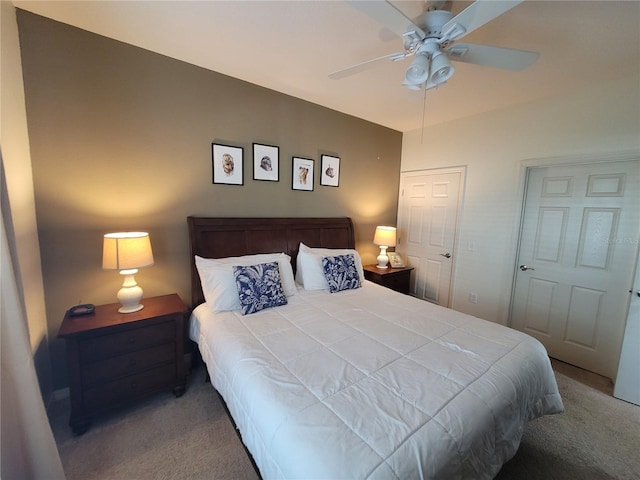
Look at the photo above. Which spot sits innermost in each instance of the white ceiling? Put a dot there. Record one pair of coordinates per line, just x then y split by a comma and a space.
292, 46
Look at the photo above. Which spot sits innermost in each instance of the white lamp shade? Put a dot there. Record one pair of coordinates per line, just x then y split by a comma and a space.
441, 69
385, 236
411, 86
126, 251
418, 71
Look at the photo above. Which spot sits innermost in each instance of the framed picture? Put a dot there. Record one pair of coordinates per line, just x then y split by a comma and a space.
302, 174
395, 260
266, 162
330, 171
227, 164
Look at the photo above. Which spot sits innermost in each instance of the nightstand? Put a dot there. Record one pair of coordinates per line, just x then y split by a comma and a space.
115, 358
398, 279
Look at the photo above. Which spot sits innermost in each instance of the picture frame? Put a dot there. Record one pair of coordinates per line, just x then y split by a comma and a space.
330, 171
227, 164
395, 260
302, 174
266, 162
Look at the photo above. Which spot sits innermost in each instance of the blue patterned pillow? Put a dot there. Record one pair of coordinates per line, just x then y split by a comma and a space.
341, 272
259, 287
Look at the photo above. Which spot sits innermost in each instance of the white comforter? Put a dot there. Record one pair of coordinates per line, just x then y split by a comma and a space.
373, 384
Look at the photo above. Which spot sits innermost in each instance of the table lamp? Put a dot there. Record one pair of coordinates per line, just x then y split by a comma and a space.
384, 237
127, 252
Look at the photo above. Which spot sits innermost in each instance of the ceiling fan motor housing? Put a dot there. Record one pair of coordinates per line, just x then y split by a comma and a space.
434, 21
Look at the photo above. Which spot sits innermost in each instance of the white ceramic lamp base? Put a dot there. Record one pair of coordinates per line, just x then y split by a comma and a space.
382, 258
130, 293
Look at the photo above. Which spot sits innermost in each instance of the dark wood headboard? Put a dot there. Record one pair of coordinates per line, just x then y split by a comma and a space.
211, 237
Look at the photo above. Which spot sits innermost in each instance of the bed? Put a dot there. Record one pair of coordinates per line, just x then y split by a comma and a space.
363, 383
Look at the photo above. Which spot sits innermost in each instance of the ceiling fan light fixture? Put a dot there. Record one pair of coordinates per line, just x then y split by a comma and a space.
441, 69
418, 71
431, 40
412, 86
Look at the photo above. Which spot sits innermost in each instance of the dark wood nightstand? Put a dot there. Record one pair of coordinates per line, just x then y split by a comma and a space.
114, 358
398, 279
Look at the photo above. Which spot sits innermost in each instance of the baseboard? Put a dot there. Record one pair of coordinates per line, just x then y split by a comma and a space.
55, 397
60, 394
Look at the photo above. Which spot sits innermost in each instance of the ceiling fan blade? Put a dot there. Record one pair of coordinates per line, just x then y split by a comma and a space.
475, 16
497, 57
345, 72
388, 15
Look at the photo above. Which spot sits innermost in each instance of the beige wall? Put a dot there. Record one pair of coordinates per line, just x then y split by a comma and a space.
121, 140
18, 203
599, 121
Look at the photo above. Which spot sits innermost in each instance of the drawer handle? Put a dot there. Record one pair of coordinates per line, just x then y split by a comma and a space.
134, 385
132, 362
132, 340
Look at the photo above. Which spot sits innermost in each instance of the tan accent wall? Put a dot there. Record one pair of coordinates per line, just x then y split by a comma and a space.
18, 200
121, 140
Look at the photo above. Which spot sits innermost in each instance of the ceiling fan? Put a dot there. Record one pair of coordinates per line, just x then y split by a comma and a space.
431, 40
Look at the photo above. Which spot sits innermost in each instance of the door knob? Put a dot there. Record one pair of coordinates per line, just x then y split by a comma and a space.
524, 268
446, 255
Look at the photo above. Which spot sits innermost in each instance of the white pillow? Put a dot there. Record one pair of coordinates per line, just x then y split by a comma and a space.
309, 271
219, 284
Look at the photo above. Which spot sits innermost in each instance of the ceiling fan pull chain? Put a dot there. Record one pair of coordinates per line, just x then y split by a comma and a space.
424, 110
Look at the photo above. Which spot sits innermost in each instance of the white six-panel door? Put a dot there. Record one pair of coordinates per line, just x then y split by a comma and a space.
628, 380
427, 223
578, 247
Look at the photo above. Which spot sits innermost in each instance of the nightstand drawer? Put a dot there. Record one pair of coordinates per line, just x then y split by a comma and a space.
399, 283
104, 346
124, 389
115, 367
398, 279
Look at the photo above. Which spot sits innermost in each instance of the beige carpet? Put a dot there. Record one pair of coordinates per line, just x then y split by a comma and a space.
598, 437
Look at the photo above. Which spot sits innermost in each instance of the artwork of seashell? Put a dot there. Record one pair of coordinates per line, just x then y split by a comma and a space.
329, 172
227, 164
265, 163
302, 174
